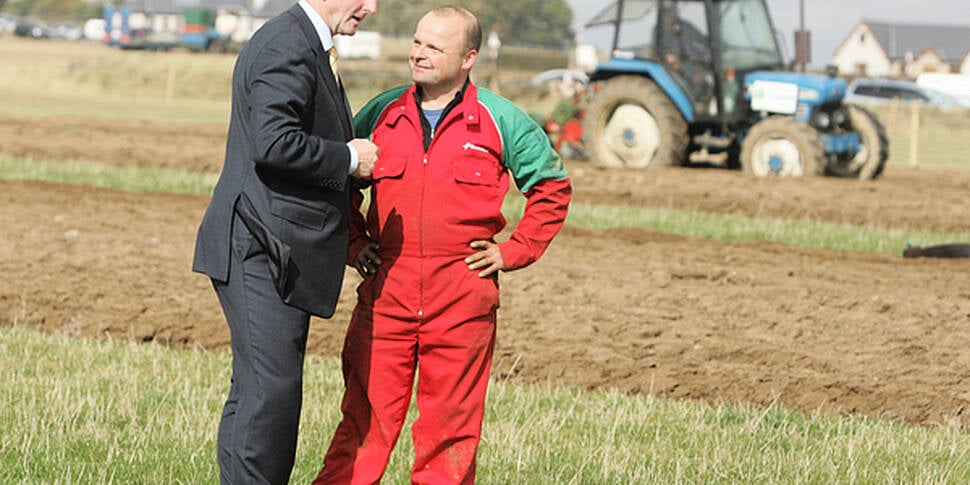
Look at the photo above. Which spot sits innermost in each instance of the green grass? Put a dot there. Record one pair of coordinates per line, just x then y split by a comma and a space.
137, 179
106, 411
735, 228
722, 227
27, 102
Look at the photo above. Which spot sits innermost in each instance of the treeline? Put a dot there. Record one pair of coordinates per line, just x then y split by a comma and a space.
52, 10
537, 23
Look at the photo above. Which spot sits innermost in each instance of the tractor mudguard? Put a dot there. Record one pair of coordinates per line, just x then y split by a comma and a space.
652, 70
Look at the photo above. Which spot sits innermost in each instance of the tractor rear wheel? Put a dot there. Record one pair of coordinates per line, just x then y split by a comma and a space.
870, 160
782, 146
632, 123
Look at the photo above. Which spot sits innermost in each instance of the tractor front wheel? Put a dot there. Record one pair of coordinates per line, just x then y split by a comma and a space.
782, 146
632, 123
870, 160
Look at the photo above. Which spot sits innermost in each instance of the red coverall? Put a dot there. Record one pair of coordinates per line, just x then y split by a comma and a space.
425, 311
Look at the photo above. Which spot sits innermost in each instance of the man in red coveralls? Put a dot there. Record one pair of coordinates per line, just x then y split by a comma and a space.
428, 302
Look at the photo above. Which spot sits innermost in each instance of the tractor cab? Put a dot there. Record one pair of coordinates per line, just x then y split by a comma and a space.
705, 47
689, 80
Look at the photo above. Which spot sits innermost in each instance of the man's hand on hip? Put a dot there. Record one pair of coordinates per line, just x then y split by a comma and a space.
488, 259
367, 260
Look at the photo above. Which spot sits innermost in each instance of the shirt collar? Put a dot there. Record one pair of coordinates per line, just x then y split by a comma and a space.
419, 94
323, 30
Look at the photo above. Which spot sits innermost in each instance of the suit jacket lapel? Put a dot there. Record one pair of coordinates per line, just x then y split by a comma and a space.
337, 90
347, 108
322, 60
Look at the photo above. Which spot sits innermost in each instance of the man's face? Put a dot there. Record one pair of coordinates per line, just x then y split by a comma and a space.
344, 16
438, 58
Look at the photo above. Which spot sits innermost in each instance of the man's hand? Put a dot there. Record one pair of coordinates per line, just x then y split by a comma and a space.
367, 154
488, 257
367, 260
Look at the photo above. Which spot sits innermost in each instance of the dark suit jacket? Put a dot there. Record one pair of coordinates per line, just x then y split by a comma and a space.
286, 165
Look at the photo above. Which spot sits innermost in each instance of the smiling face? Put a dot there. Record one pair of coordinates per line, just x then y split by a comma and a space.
344, 16
440, 57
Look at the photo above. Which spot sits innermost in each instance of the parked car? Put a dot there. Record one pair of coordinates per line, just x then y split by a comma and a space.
878, 90
7, 23
67, 31
32, 29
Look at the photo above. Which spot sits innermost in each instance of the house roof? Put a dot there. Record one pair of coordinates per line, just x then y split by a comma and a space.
951, 42
258, 8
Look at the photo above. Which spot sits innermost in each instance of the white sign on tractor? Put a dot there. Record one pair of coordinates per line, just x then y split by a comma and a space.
774, 97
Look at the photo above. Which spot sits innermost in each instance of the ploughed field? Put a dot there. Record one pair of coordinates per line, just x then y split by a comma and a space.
633, 309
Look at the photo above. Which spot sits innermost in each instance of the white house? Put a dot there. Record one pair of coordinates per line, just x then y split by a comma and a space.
903, 50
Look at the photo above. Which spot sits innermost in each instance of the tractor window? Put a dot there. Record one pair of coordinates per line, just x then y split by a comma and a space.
683, 31
683, 40
636, 31
747, 37
635, 37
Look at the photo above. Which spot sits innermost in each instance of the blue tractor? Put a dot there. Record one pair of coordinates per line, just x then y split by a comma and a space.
703, 81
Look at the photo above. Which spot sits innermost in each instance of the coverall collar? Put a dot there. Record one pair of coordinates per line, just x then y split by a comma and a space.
425, 125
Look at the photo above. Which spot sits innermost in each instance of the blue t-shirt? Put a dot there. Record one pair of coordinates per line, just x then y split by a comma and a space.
433, 116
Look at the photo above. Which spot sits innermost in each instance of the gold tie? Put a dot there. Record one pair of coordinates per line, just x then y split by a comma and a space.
333, 61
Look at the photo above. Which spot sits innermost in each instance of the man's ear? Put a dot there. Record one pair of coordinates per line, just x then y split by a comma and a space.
469, 59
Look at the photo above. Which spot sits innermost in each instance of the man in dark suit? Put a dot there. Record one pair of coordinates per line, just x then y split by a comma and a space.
274, 238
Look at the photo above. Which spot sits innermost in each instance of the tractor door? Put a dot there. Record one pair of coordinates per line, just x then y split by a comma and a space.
684, 43
745, 42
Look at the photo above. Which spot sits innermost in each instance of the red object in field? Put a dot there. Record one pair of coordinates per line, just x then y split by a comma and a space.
194, 29
551, 127
572, 131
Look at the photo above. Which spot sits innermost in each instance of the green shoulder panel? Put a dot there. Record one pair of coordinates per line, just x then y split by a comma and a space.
526, 149
366, 118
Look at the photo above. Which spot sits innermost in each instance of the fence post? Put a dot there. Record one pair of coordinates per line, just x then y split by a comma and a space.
914, 133
893, 116
170, 83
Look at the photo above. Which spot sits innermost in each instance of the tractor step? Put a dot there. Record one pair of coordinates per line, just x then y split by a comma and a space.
707, 140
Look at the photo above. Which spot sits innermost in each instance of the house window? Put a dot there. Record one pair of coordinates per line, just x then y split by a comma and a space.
862, 37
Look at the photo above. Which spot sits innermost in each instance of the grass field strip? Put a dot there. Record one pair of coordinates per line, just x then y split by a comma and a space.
722, 227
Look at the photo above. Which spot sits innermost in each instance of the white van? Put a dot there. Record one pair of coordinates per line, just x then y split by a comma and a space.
94, 29
364, 45
955, 85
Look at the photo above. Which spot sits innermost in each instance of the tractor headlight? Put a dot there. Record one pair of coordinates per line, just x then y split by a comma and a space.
821, 120
839, 117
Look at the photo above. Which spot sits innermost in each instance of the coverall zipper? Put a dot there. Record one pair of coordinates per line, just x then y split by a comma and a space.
424, 169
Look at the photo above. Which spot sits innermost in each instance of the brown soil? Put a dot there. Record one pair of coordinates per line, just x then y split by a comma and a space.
637, 310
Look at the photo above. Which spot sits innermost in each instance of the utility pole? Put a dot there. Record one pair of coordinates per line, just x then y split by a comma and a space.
801, 14
803, 40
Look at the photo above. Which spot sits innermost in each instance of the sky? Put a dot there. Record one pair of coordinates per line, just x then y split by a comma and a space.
828, 20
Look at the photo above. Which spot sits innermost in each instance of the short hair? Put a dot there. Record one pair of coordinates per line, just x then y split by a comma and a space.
473, 29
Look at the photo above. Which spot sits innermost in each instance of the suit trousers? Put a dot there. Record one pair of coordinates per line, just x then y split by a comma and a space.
258, 431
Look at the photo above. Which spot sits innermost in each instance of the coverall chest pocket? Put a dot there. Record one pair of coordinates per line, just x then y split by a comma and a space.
477, 169
389, 168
